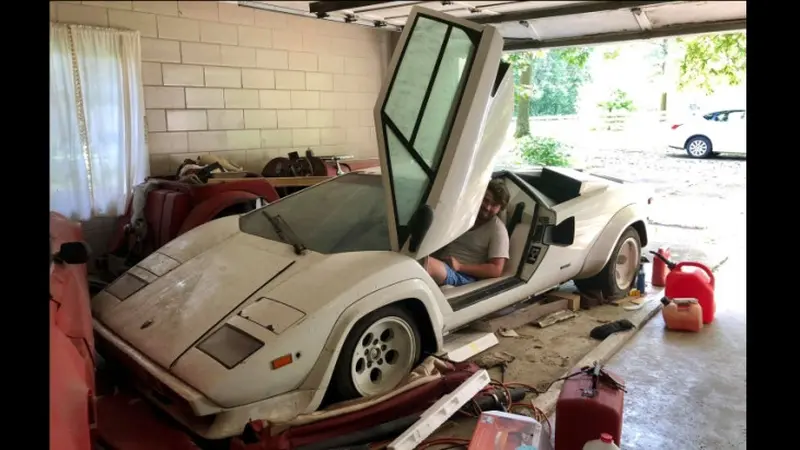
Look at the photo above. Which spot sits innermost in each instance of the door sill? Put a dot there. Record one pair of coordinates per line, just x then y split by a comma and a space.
480, 294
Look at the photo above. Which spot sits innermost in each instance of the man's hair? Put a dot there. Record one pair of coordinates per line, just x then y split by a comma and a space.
499, 193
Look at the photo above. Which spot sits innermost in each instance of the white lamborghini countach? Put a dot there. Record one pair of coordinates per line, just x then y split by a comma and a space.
260, 316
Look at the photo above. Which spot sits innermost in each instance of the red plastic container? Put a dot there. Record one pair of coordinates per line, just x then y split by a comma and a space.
683, 315
587, 407
686, 281
660, 269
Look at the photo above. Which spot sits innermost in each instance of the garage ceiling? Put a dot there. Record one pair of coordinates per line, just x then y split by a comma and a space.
540, 24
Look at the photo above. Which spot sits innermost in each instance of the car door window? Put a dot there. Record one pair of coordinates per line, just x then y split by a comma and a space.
420, 109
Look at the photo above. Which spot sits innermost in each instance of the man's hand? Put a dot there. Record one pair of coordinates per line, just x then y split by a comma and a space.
492, 269
453, 263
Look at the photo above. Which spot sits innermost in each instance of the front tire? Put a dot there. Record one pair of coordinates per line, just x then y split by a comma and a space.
381, 349
619, 274
699, 147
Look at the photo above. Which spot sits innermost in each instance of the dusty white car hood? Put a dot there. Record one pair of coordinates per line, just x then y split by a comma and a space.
171, 314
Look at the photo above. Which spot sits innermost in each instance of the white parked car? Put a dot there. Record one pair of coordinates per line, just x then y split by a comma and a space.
321, 293
716, 132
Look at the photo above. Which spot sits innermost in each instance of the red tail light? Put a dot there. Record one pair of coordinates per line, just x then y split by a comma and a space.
675, 126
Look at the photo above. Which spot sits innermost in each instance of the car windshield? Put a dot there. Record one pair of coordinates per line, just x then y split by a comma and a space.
346, 214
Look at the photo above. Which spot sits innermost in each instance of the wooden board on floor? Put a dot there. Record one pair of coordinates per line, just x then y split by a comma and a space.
521, 316
573, 299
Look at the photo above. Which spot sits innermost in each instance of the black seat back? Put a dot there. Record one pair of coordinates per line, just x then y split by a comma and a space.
516, 217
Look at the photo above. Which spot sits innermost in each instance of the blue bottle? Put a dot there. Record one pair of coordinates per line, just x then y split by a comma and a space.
640, 279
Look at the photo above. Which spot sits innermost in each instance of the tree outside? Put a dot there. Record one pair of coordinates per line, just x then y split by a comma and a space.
550, 83
547, 83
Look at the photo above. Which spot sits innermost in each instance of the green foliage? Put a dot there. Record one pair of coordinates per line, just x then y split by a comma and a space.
546, 83
542, 151
713, 59
618, 101
611, 54
558, 78
520, 63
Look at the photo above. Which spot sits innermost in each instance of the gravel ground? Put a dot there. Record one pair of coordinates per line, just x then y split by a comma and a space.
699, 207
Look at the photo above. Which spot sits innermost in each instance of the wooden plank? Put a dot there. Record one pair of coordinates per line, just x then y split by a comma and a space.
521, 316
573, 299
276, 181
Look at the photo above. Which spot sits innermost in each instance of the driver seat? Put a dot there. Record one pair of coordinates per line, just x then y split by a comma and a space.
515, 253
516, 218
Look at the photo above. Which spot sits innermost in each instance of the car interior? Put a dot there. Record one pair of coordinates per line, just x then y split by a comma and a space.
528, 214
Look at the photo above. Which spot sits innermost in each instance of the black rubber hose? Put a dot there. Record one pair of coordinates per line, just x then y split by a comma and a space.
671, 265
388, 430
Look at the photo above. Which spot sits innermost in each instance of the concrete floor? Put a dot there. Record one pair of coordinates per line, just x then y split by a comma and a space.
687, 391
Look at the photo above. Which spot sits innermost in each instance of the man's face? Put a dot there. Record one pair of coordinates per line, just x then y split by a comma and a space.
489, 207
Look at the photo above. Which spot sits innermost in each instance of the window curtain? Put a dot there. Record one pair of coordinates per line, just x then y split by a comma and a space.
98, 148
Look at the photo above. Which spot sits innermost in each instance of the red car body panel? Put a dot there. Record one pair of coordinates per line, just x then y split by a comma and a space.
71, 346
121, 417
174, 208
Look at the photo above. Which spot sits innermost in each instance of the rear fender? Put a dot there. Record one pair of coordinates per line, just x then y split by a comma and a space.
321, 373
600, 252
209, 209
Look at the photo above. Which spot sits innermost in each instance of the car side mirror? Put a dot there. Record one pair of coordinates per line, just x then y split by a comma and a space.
72, 253
561, 235
418, 226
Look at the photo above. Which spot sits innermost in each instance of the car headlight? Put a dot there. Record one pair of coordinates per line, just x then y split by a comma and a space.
125, 286
229, 346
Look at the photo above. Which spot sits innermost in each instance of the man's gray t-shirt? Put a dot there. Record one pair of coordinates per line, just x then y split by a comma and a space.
479, 245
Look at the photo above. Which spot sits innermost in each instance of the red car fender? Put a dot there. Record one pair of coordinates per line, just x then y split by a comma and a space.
71, 346
71, 398
208, 209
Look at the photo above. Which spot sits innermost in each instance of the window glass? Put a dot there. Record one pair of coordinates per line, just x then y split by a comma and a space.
420, 108
346, 214
409, 180
441, 106
413, 74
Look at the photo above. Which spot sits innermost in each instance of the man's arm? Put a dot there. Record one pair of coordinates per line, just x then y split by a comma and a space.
492, 269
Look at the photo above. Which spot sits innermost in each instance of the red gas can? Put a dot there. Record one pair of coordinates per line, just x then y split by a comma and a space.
693, 280
660, 268
590, 404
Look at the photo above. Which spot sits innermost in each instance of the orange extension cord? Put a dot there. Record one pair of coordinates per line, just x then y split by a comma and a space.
506, 403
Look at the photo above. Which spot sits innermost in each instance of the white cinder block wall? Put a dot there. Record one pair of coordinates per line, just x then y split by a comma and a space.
247, 84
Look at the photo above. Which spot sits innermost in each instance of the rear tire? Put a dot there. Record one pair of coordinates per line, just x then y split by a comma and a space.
619, 274
380, 350
699, 147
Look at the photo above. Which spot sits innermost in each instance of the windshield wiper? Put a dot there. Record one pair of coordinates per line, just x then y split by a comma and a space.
285, 232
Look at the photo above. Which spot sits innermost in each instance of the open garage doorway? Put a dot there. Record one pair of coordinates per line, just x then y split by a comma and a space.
613, 85
666, 113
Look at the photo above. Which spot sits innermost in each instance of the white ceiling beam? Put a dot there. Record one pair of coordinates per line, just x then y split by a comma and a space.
641, 18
